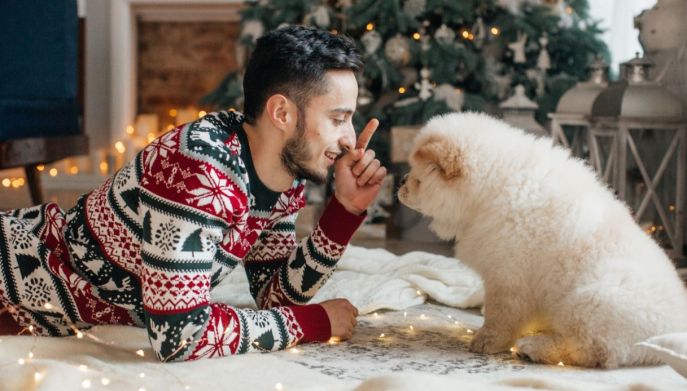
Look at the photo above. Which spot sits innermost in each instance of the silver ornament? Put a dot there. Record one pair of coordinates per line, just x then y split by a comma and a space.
397, 50
372, 41
445, 35
414, 8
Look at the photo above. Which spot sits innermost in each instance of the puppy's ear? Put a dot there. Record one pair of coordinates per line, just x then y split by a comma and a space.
444, 154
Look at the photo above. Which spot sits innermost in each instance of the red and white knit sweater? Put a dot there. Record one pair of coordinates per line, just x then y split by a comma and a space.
147, 246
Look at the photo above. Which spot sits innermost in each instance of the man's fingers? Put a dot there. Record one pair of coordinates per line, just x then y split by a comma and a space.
366, 134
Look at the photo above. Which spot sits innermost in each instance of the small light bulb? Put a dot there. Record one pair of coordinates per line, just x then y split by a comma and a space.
416, 36
40, 167
105, 381
495, 31
278, 387
140, 352
202, 113
411, 327
83, 368
53, 172
560, 364
37, 376
79, 334
130, 130
141, 375
381, 335
86, 384
370, 26
21, 361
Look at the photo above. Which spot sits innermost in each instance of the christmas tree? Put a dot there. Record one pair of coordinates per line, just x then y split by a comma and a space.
426, 57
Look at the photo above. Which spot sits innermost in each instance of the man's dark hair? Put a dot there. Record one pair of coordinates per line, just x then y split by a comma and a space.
293, 61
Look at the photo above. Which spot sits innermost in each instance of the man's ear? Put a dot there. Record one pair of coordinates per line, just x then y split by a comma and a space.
282, 112
442, 153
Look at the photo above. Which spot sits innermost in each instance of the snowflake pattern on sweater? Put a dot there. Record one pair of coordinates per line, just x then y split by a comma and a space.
147, 246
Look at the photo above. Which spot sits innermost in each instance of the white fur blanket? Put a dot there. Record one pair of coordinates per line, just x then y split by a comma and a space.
431, 355
373, 279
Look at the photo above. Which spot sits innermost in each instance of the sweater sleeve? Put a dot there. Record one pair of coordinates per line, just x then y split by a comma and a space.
187, 206
284, 272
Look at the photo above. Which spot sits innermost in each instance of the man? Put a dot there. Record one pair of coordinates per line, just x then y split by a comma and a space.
146, 247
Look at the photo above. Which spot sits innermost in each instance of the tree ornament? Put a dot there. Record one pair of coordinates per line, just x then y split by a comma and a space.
452, 96
543, 61
409, 76
425, 86
397, 50
320, 15
445, 35
518, 48
372, 41
365, 97
537, 75
479, 32
414, 8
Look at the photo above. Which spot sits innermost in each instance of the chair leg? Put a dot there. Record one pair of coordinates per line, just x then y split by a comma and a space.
34, 180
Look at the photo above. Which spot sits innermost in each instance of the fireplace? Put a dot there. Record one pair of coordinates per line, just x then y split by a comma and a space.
166, 55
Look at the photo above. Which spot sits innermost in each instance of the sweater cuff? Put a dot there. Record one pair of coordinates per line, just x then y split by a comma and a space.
338, 224
314, 322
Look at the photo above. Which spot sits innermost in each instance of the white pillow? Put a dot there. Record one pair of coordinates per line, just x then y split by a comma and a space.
671, 349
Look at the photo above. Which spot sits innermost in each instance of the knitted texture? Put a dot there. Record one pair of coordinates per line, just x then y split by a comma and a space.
147, 246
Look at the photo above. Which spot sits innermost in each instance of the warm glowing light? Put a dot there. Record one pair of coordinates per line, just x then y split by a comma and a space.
40, 167
470, 331
335, 32
495, 31
375, 314
103, 167
416, 36
411, 327
53, 172
151, 137
513, 350
560, 364
465, 34
141, 375
73, 170
201, 114
119, 146
130, 130
15, 183
21, 361
6, 182
170, 127
471, 36
86, 384
105, 381
671, 208
569, 10
278, 387
294, 350
173, 112
419, 292
30, 354
140, 352
83, 368
381, 335
79, 334
334, 340
401, 90
37, 376
370, 26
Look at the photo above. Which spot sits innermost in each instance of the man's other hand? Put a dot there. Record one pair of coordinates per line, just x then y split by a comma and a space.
342, 317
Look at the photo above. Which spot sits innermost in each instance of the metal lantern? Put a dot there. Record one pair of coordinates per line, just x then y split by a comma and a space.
570, 123
518, 110
648, 155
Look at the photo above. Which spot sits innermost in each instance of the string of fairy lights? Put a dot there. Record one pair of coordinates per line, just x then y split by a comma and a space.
466, 333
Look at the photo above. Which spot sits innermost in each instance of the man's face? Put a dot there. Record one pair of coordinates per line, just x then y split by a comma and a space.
325, 130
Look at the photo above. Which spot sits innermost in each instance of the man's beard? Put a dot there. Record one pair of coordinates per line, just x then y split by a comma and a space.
296, 155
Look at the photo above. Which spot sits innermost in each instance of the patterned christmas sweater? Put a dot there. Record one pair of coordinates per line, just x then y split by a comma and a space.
147, 246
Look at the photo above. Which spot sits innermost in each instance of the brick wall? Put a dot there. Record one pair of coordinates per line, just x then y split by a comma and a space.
180, 62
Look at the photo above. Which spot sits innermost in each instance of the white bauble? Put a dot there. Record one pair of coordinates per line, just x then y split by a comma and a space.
414, 8
397, 50
453, 96
372, 41
445, 35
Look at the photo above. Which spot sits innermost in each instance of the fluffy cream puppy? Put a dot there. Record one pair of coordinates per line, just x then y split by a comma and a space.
568, 274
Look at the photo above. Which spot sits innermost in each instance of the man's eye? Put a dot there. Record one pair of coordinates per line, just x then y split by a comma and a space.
339, 122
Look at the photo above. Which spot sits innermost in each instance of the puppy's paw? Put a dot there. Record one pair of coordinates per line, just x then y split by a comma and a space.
488, 342
537, 348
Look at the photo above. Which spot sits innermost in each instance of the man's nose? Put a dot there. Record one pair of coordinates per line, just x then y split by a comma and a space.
348, 139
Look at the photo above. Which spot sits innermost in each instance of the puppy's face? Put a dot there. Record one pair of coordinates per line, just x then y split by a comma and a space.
437, 171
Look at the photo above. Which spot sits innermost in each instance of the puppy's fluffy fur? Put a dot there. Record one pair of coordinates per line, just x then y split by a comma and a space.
569, 276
